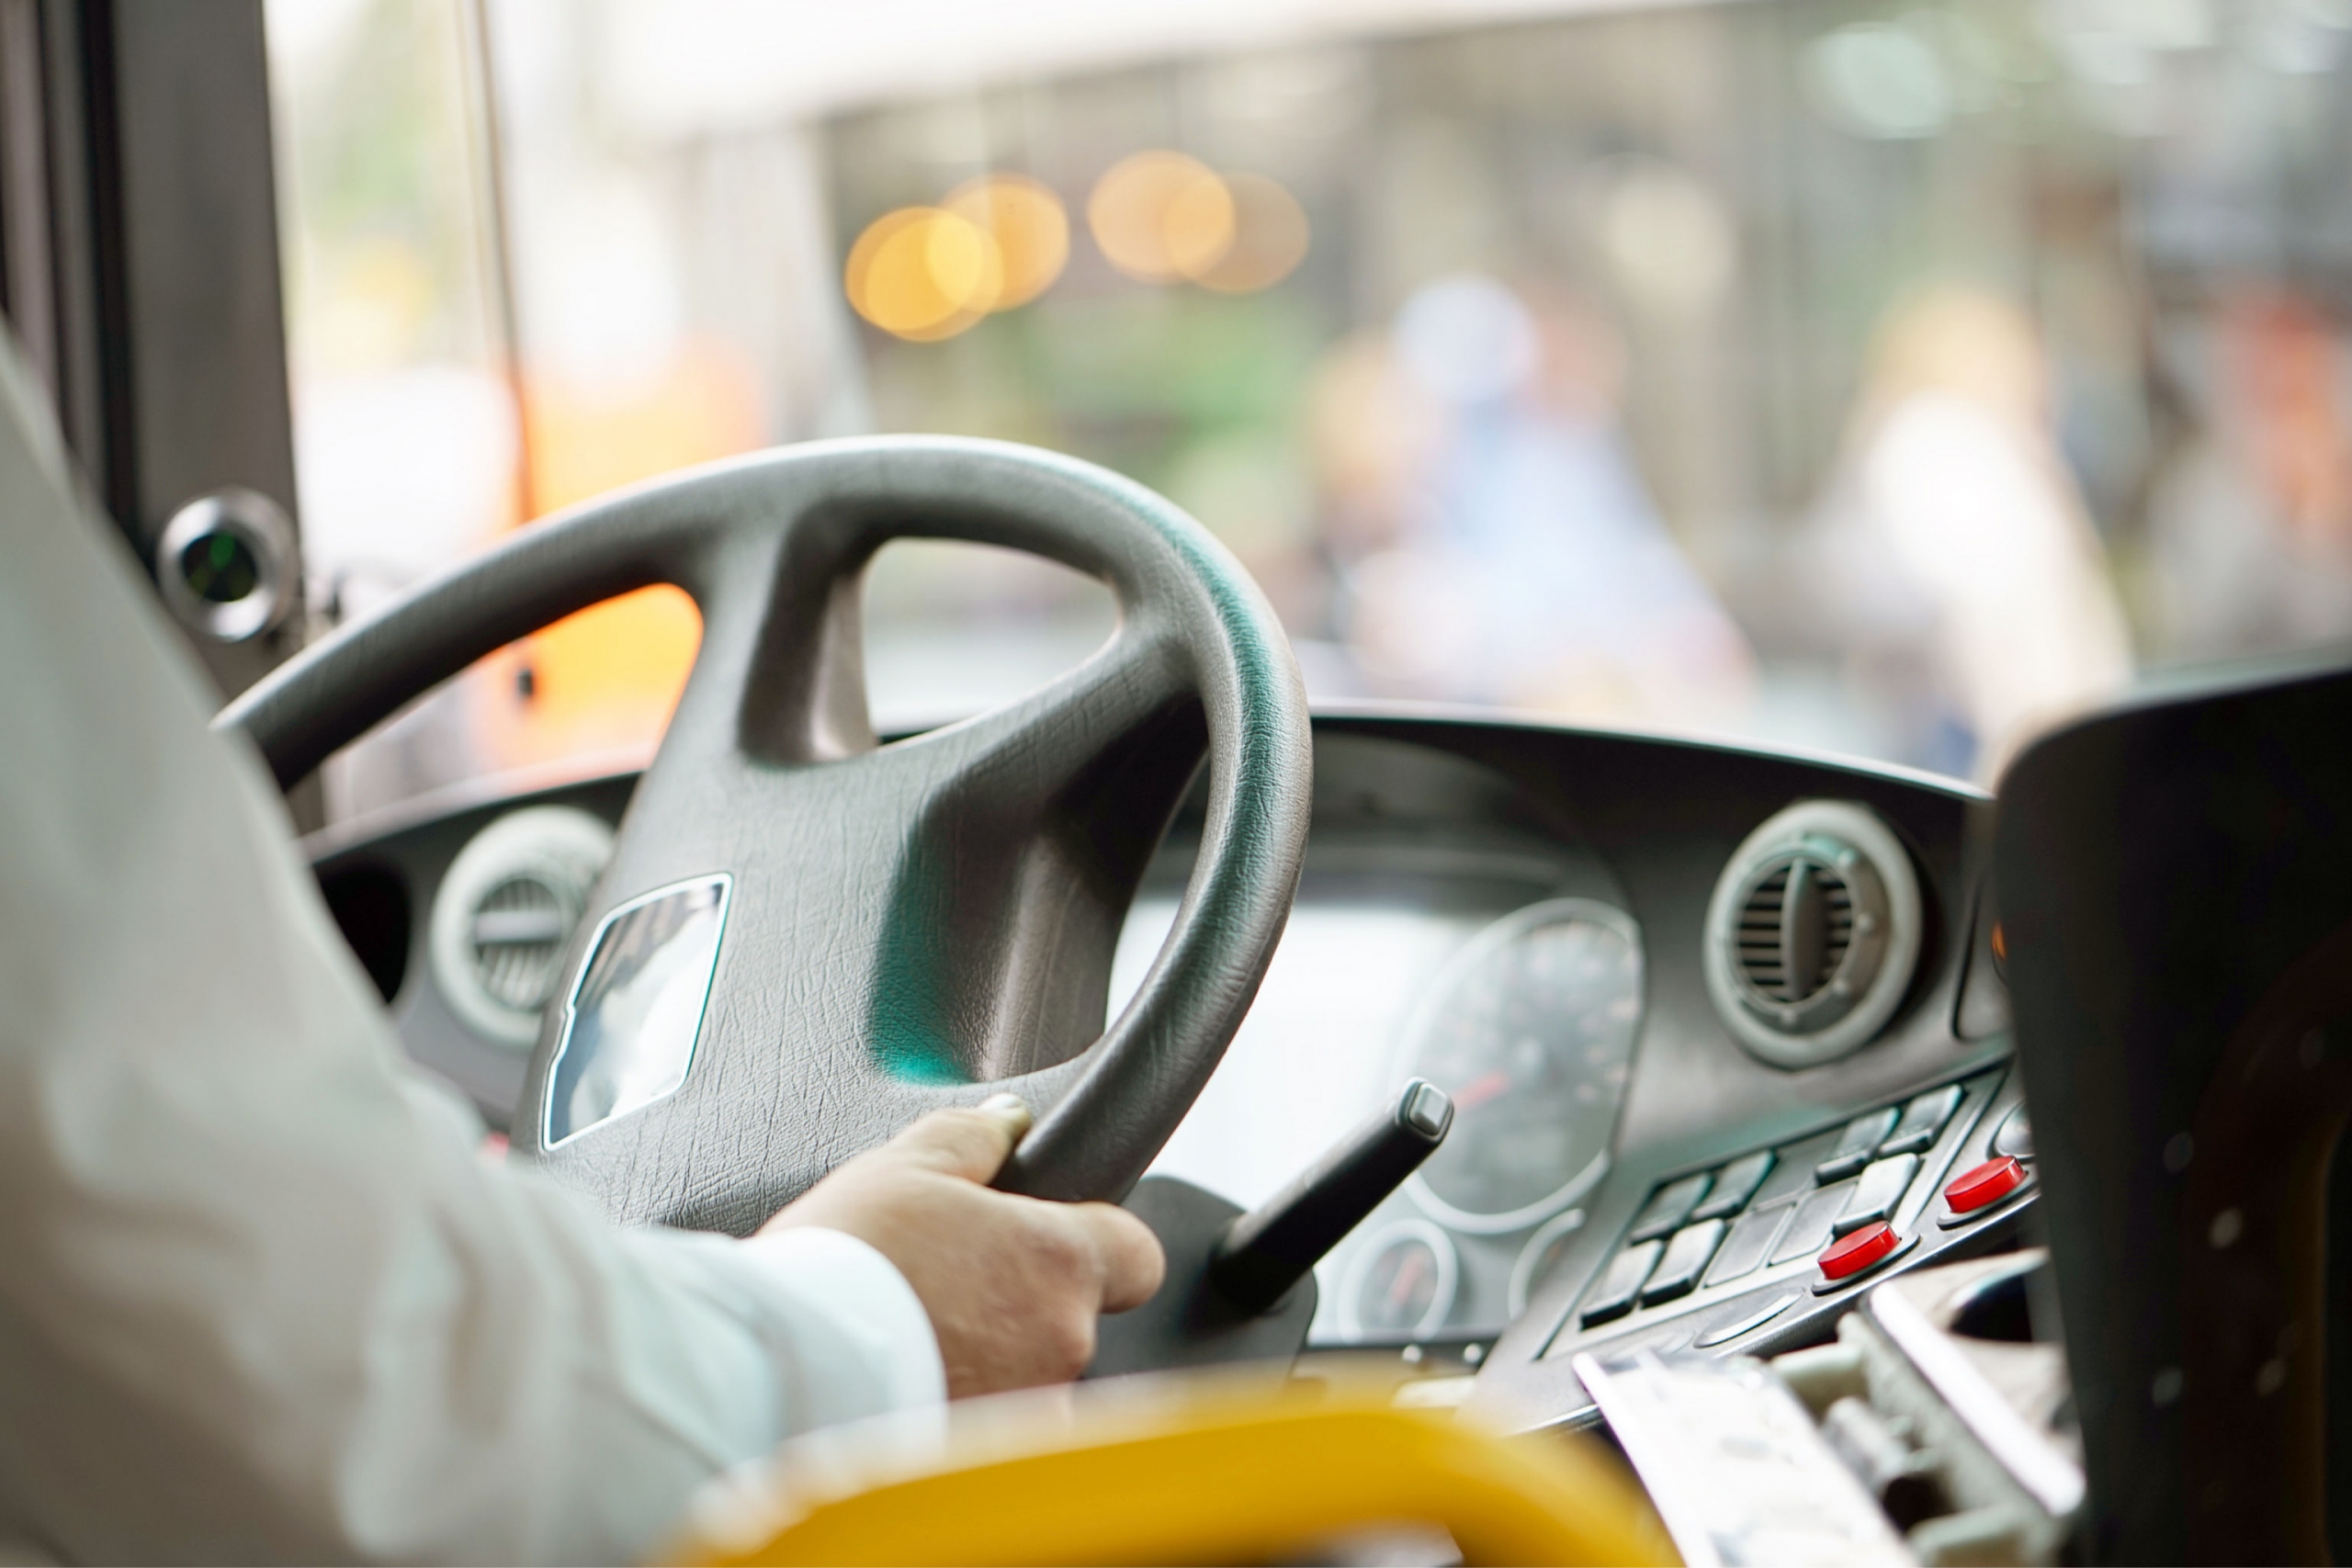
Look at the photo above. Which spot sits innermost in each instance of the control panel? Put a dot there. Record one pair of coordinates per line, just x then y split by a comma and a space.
1753, 1242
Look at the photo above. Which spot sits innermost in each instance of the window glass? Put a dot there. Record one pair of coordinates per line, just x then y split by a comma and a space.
1889, 378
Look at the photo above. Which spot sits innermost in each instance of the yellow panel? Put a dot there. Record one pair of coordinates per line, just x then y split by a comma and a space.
1191, 1472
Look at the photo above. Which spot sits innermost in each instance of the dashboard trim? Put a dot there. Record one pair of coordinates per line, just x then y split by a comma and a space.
1457, 714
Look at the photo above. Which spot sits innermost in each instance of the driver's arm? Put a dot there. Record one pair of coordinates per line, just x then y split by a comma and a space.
258, 1297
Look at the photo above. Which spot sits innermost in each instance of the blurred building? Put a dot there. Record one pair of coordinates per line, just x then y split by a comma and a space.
539, 248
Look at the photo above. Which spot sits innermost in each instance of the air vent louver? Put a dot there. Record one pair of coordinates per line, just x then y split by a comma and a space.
520, 927
1812, 933
1795, 929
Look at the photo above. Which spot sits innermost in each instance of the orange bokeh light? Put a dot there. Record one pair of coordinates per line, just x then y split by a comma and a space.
924, 272
1161, 217
1030, 230
1269, 238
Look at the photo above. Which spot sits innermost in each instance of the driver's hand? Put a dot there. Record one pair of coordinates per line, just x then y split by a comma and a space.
1013, 1284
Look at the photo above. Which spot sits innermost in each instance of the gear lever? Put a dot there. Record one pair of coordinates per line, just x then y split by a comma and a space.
1239, 1285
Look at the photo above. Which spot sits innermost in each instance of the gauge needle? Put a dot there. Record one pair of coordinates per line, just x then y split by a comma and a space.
1479, 1091
1408, 1279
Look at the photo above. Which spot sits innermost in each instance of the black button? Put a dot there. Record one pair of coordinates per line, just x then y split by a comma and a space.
1880, 1187
1686, 1255
1734, 1183
1670, 1206
1808, 1232
1628, 1271
1923, 1121
1857, 1144
1750, 1239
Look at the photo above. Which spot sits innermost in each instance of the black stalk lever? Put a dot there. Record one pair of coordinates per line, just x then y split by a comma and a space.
1266, 1251
1240, 1291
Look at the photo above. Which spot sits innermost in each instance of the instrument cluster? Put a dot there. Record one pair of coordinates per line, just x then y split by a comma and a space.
1521, 1000
1529, 1028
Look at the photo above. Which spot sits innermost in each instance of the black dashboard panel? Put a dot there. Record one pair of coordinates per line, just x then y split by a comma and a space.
1524, 906
398, 860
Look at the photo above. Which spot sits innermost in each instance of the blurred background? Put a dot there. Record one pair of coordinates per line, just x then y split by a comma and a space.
1891, 379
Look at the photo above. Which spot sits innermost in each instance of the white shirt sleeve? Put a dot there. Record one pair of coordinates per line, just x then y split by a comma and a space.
259, 1299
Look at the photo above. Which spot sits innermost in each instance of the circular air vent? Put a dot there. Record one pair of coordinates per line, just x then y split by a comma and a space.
1812, 933
503, 917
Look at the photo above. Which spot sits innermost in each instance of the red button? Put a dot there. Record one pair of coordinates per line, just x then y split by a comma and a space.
1856, 1252
1980, 1186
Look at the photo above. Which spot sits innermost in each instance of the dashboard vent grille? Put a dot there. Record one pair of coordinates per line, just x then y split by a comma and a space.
1794, 930
1812, 933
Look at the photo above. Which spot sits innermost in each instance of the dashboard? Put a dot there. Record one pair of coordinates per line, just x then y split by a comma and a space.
1703, 1010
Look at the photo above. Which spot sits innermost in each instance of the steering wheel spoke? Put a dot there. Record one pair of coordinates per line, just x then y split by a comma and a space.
1035, 826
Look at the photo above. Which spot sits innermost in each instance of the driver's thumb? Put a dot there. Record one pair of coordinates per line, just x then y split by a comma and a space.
971, 1144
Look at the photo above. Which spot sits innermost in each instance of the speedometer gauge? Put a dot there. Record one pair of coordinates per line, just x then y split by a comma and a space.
1531, 1029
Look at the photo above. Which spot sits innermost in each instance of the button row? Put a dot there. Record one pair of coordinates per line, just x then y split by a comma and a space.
1912, 1132
1653, 1272
1770, 1207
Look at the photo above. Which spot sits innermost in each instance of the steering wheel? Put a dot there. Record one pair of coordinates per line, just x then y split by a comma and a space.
884, 929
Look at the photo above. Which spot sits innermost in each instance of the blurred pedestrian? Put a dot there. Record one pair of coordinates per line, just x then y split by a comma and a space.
1953, 559
2250, 527
1516, 557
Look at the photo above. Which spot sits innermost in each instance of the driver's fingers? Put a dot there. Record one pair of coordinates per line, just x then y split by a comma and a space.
1132, 1261
970, 1144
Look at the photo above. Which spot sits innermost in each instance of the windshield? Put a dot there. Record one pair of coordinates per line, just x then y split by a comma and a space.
1891, 379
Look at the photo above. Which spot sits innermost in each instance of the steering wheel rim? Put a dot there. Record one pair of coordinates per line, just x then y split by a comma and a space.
865, 976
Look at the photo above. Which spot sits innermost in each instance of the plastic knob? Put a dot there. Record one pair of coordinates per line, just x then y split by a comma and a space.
1984, 1185
1848, 1256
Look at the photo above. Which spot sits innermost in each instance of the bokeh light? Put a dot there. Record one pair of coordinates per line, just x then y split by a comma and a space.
1670, 241
923, 273
1270, 237
1030, 231
1882, 80
1161, 217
